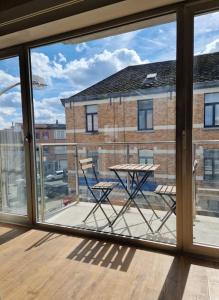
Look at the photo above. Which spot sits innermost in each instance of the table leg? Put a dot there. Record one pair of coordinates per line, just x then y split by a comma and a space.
151, 207
131, 198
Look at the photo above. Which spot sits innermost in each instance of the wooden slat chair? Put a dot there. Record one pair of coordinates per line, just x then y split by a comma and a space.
103, 186
169, 191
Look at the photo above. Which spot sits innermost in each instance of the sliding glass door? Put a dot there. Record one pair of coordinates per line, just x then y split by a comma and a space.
13, 146
111, 100
117, 98
205, 133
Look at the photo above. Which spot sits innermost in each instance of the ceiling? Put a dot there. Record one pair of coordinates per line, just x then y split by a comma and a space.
36, 19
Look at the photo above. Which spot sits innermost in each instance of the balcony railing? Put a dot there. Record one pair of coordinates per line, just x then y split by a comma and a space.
62, 189
104, 155
63, 197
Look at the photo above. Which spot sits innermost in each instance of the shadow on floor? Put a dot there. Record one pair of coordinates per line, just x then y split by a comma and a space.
175, 282
11, 234
103, 254
176, 279
46, 238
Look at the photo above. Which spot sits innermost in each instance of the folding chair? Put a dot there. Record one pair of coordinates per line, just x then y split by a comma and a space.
104, 187
170, 192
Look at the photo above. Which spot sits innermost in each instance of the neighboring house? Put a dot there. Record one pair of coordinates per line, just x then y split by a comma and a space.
137, 105
12, 168
54, 156
12, 162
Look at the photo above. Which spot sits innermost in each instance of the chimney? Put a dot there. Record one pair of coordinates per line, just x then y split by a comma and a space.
57, 122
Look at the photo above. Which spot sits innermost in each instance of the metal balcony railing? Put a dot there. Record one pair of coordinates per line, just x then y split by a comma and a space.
104, 155
205, 181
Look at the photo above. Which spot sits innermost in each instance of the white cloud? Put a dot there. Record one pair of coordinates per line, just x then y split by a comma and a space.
44, 67
206, 28
81, 47
85, 71
206, 23
127, 40
79, 73
67, 94
10, 99
48, 116
212, 47
6, 79
4, 124
48, 110
7, 110
61, 58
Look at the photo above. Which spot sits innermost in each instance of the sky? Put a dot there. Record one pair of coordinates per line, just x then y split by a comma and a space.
68, 68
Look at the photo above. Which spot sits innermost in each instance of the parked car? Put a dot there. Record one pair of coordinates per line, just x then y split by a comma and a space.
57, 176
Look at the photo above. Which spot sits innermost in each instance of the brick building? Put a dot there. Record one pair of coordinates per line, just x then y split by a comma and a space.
137, 105
12, 162
54, 156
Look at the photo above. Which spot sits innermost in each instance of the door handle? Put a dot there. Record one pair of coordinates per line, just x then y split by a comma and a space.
28, 138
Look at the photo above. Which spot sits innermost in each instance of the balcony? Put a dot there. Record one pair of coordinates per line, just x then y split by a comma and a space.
63, 197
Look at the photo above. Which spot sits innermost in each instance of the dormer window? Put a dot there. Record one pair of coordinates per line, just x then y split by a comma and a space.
150, 78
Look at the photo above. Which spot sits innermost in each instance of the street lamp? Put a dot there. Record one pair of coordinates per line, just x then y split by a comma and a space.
37, 83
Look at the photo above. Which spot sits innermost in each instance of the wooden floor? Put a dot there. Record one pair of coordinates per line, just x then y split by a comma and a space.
40, 265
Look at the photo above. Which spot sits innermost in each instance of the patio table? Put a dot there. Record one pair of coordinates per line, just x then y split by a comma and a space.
137, 183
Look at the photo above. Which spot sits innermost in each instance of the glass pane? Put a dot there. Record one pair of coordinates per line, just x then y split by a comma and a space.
60, 134
115, 87
142, 120
217, 114
145, 104
149, 119
212, 98
89, 123
12, 167
95, 120
208, 167
205, 140
208, 115
92, 109
216, 168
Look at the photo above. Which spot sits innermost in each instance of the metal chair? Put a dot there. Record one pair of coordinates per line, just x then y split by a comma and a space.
170, 192
103, 186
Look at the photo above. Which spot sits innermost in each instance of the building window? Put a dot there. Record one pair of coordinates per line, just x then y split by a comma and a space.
37, 135
60, 134
211, 114
91, 118
145, 114
60, 150
46, 150
211, 164
63, 165
146, 157
45, 135
94, 155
